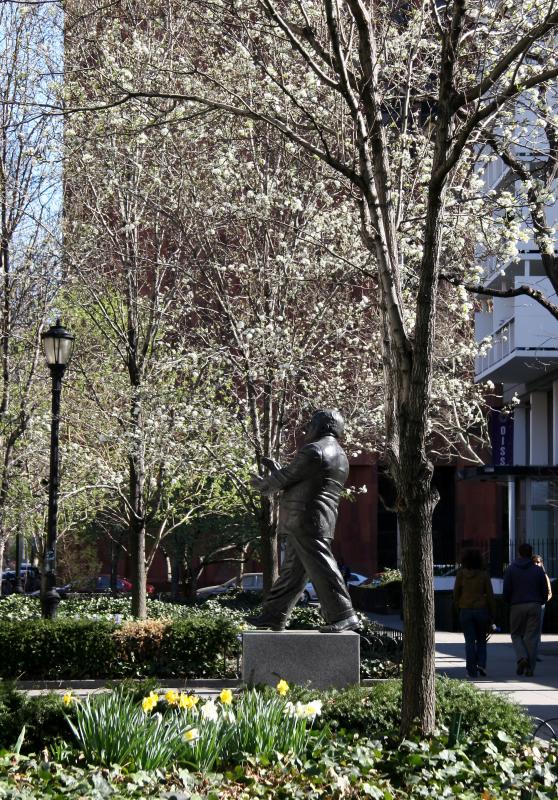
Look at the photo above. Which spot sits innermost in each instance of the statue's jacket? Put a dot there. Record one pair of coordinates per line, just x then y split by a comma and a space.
311, 488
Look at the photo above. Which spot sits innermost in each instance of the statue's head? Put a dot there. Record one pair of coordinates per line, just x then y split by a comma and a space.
325, 422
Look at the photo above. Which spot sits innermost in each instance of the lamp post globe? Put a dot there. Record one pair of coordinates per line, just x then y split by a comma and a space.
58, 345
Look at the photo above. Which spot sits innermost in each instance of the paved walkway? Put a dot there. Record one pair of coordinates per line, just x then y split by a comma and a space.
539, 694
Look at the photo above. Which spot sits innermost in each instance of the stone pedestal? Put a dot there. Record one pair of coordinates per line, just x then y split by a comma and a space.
321, 660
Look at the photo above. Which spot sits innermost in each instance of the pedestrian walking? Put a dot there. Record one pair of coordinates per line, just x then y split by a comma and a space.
525, 590
538, 562
473, 596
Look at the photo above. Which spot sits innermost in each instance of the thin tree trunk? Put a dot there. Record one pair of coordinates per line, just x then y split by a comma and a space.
2, 549
415, 525
192, 586
114, 553
269, 554
189, 578
176, 560
242, 561
137, 539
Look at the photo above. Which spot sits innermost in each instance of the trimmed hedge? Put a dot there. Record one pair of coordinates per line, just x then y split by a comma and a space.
69, 649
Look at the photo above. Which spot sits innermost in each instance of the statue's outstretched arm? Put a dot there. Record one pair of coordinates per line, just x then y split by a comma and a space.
305, 462
270, 464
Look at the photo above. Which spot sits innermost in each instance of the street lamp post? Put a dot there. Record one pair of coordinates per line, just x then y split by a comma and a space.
58, 344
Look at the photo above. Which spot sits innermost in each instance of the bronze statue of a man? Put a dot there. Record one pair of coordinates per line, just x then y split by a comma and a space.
311, 487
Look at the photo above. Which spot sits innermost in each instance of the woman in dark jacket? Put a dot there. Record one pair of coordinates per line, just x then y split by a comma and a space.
473, 596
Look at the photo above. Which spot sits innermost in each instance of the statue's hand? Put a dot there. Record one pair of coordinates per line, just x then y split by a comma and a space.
269, 463
257, 483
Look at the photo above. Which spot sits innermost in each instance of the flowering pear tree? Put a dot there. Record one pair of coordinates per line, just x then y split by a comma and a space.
29, 255
283, 298
151, 423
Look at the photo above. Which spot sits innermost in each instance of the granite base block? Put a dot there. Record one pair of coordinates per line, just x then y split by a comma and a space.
321, 660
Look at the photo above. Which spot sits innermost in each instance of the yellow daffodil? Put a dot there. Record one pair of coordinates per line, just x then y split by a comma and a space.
148, 703
192, 735
282, 687
188, 701
68, 699
226, 697
171, 697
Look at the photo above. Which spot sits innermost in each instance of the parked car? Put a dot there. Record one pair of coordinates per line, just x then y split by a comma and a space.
250, 582
309, 595
102, 584
253, 582
30, 579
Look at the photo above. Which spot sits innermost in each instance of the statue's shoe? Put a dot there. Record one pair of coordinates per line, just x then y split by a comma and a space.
263, 621
350, 624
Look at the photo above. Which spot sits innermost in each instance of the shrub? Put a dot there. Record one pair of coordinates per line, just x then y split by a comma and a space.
44, 718
138, 645
104, 606
375, 711
11, 702
195, 646
480, 710
200, 646
42, 649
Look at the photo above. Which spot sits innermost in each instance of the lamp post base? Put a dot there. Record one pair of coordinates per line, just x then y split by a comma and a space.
49, 603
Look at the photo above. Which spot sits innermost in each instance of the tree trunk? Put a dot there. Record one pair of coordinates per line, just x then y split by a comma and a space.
192, 586
242, 561
137, 541
189, 573
114, 553
415, 525
2, 549
269, 555
176, 559
137, 538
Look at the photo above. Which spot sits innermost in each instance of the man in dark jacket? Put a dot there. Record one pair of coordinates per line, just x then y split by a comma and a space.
311, 487
526, 590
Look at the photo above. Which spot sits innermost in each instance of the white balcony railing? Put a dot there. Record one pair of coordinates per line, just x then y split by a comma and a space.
503, 343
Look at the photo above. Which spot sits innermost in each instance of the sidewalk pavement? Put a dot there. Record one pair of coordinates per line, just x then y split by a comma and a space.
539, 694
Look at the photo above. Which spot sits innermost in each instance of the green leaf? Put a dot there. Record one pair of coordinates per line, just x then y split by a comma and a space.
503, 736
19, 742
374, 791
